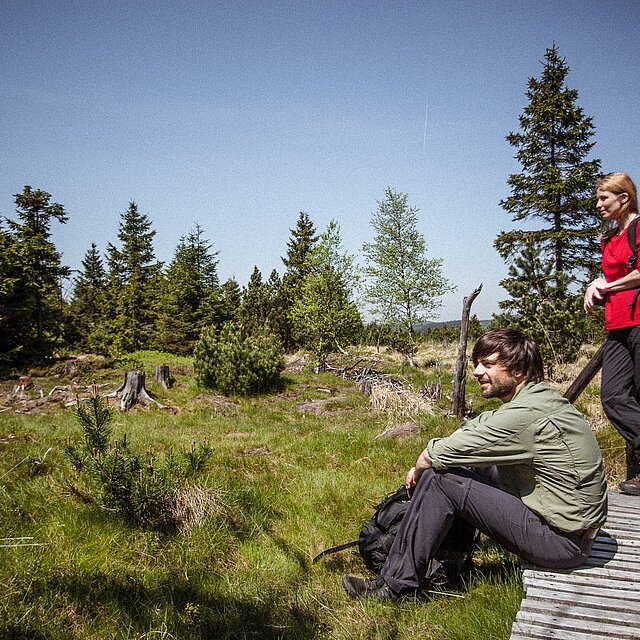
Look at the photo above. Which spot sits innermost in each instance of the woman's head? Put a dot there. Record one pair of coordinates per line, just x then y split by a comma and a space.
618, 184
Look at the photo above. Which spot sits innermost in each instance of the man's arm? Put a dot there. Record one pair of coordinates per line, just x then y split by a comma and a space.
422, 464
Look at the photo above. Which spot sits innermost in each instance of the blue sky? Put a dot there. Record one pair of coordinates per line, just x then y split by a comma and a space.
237, 115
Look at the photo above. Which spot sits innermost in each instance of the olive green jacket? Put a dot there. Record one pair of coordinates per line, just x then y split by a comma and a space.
545, 452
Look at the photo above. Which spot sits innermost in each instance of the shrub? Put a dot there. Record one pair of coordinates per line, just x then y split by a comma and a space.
232, 362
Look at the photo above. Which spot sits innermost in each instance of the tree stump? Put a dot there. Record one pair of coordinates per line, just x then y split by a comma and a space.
162, 376
458, 405
132, 391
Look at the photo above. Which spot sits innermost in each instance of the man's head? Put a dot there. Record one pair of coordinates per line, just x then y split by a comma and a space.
505, 359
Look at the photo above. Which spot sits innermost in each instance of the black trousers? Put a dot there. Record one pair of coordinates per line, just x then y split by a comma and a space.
473, 496
621, 383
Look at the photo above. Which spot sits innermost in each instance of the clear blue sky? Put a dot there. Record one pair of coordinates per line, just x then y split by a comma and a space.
238, 115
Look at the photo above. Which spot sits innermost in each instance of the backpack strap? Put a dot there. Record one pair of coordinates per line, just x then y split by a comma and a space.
633, 245
632, 262
340, 547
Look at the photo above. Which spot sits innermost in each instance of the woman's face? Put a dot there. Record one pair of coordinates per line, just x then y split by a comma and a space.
610, 204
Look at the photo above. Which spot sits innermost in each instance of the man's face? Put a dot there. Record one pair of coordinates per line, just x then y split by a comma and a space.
495, 381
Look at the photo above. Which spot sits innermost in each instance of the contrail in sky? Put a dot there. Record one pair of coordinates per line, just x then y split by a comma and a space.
424, 137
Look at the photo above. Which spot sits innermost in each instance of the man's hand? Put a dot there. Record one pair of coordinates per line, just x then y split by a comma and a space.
410, 481
413, 475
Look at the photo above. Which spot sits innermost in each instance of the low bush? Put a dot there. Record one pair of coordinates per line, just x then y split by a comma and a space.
234, 363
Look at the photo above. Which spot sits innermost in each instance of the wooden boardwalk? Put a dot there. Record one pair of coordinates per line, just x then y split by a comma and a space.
600, 599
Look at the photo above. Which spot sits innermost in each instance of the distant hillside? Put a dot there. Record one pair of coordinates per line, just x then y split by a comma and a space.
426, 326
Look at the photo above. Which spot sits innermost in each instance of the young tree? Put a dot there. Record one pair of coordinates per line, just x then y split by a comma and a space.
555, 187
404, 286
325, 314
191, 290
88, 303
542, 307
134, 279
33, 301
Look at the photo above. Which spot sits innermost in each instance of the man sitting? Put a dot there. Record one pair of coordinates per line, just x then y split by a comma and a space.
529, 475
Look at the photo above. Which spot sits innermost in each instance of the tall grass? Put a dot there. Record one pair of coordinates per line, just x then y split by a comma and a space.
288, 482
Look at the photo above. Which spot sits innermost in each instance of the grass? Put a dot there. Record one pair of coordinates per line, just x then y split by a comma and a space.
290, 474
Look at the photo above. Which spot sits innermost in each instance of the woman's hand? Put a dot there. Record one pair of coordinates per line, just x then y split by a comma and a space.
594, 295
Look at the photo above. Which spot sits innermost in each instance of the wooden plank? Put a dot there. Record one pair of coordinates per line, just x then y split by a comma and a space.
525, 631
578, 614
577, 580
600, 599
600, 629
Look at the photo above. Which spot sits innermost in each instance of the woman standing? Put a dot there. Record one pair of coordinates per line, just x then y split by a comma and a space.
617, 202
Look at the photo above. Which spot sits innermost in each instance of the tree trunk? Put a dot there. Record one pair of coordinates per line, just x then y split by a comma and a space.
458, 405
585, 376
132, 391
162, 376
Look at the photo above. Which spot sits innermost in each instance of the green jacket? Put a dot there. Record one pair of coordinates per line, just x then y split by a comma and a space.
545, 452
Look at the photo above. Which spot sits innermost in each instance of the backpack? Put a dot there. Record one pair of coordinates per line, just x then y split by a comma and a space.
377, 536
632, 261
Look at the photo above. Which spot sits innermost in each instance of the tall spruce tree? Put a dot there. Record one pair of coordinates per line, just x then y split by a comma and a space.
555, 187
404, 286
191, 292
255, 306
87, 307
302, 241
32, 309
325, 314
134, 280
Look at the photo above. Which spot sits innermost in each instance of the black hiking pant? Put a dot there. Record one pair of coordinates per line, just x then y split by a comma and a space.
620, 387
473, 496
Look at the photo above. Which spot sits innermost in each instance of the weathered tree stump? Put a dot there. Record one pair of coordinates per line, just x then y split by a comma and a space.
162, 376
132, 391
458, 405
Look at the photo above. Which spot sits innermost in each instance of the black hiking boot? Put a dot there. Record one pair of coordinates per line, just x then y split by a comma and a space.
375, 588
631, 487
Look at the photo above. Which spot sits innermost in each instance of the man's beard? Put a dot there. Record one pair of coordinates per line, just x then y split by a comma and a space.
500, 389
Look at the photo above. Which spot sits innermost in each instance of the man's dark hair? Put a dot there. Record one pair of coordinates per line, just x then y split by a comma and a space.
517, 352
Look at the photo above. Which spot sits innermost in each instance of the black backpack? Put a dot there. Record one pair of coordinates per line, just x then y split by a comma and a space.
377, 535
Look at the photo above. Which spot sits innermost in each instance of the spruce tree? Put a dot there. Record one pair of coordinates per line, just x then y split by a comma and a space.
33, 301
302, 241
556, 185
191, 284
325, 315
541, 306
88, 303
255, 307
134, 281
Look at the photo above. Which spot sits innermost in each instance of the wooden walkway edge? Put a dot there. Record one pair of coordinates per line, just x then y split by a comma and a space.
601, 598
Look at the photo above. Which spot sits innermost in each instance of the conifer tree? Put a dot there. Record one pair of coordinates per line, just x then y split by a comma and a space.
255, 306
88, 303
325, 315
32, 308
541, 306
134, 279
404, 286
302, 241
191, 285
555, 187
